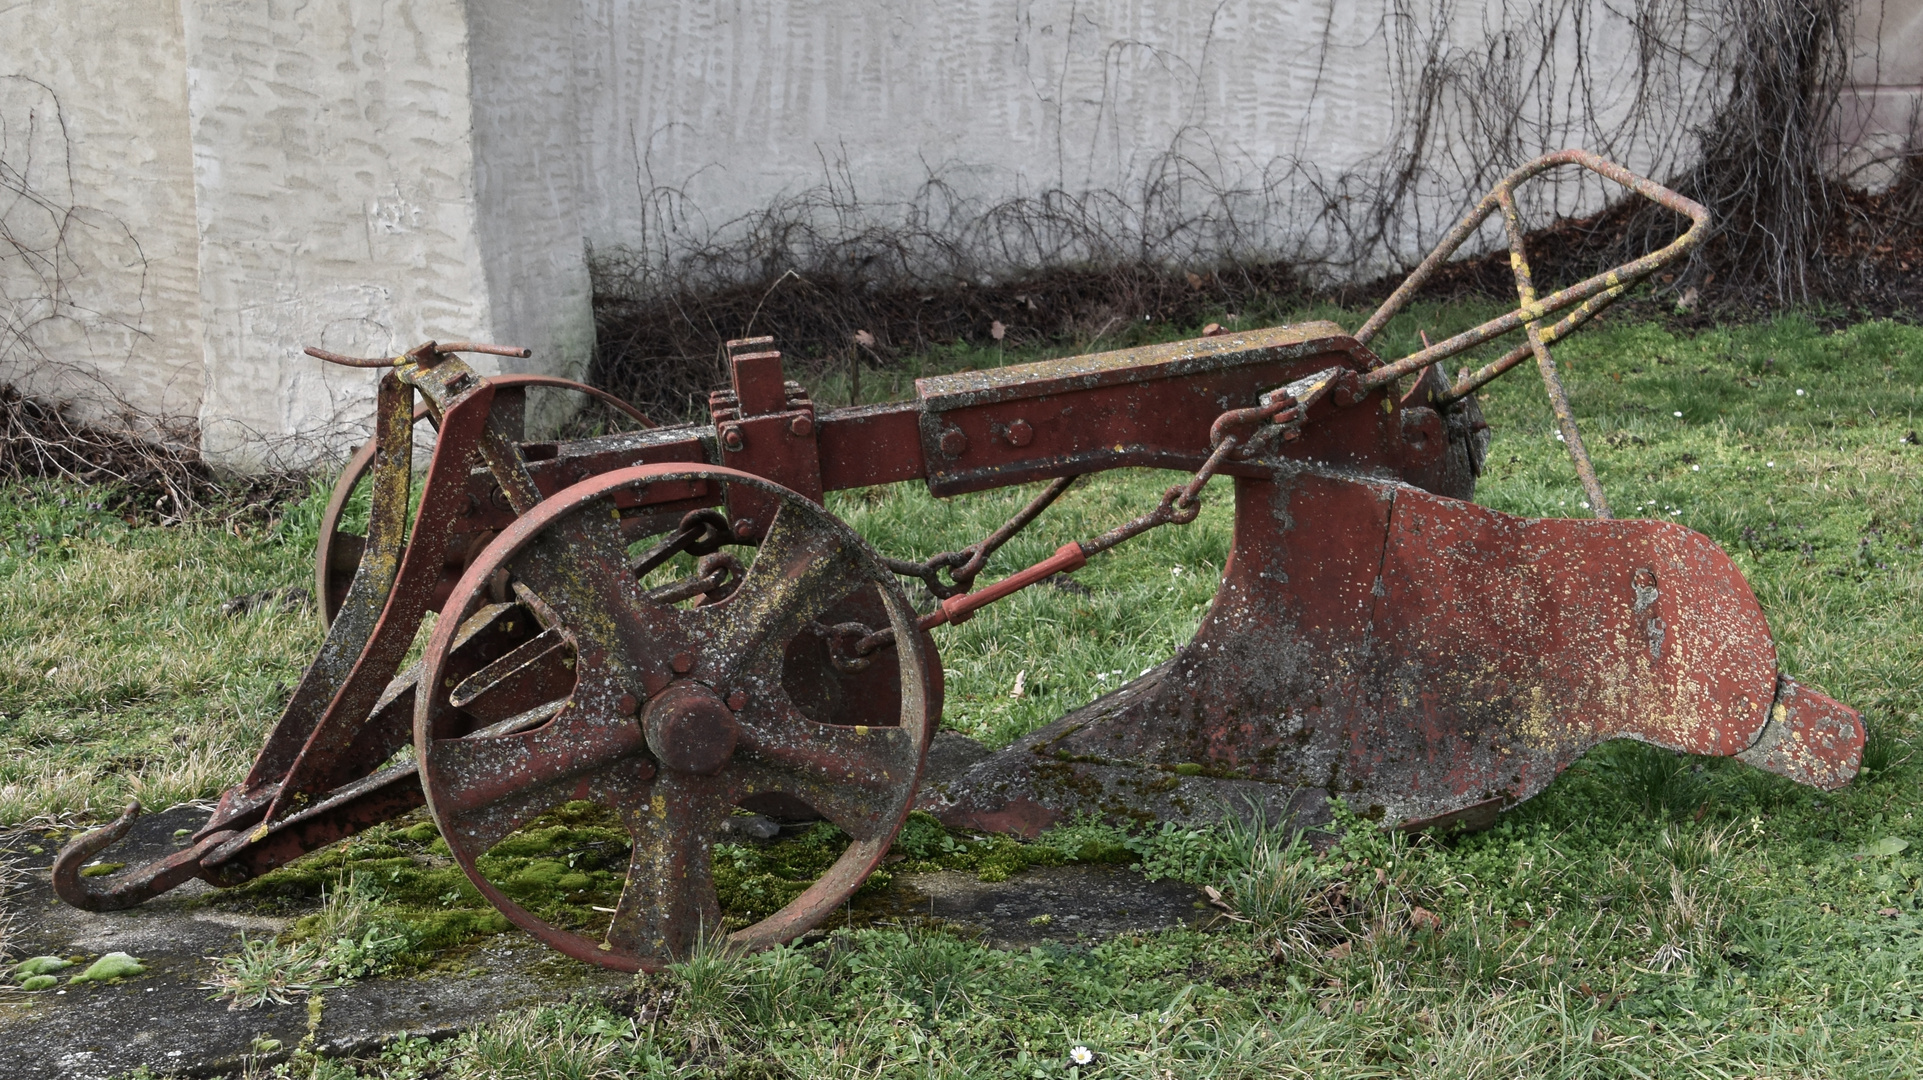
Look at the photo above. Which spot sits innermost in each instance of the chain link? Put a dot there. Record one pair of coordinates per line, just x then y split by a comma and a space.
966, 565
1238, 433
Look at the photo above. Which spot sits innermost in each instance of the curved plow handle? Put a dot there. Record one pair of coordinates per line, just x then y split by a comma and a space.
128, 888
1588, 296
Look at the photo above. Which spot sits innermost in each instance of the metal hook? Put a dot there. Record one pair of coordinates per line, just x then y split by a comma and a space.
128, 888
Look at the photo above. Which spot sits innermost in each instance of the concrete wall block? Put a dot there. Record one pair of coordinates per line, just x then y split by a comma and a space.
699, 115
204, 187
1882, 110
99, 269
527, 182
362, 185
334, 190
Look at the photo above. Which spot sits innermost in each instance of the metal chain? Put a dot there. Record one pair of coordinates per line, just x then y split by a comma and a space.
1238, 433
966, 565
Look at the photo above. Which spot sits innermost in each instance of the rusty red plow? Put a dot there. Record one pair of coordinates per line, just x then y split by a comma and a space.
668, 623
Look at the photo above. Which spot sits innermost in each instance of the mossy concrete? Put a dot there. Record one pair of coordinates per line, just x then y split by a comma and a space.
164, 1019
1075, 902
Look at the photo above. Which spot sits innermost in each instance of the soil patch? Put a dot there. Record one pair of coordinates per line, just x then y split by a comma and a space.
1079, 902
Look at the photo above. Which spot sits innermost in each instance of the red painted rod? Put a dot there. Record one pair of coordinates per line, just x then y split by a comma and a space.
959, 609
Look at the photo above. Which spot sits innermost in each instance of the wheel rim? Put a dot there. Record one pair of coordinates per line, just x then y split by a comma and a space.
639, 730
337, 553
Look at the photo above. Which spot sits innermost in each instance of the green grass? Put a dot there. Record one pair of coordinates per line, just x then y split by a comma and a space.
1648, 915
119, 675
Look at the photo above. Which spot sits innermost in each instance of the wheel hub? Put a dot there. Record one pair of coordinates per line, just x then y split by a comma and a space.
690, 729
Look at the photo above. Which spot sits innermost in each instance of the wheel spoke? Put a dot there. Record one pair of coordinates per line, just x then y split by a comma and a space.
473, 774
480, 828
607, 611
799, 572
669, 901
861, 813
851, 766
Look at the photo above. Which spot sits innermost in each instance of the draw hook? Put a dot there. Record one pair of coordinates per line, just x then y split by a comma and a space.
127, 888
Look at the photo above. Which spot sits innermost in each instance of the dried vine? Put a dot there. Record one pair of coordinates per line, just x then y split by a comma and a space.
1733, 101
59, 418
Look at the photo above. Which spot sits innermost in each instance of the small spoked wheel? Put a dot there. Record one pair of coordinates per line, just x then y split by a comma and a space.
671, 706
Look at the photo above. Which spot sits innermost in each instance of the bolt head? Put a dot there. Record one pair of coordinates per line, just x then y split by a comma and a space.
954, 443
738, 700
744, 527
1020, 433
801, 426
628, 705
682, 663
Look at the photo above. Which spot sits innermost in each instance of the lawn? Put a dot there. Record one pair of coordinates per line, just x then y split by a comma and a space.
1649, 915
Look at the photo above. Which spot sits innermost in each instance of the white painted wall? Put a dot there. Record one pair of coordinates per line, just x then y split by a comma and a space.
238, 178
340, 205
1883, 112
700, 113
98, 269
527, 190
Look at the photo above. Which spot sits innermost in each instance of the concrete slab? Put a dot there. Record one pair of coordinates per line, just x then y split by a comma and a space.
1071, 904
167, 1021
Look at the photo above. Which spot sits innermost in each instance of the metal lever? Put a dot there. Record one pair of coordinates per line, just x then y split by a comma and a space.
427, 354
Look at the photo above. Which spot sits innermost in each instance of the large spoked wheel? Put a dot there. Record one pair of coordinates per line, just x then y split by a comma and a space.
670, 716
338, 555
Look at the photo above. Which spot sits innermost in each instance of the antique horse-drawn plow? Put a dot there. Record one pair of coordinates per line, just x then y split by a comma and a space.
1375, 635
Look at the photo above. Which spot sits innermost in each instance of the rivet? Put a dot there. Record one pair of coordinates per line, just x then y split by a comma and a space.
954, 443
738, 700
628, 705
682, 663
1020, 433
801, 426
